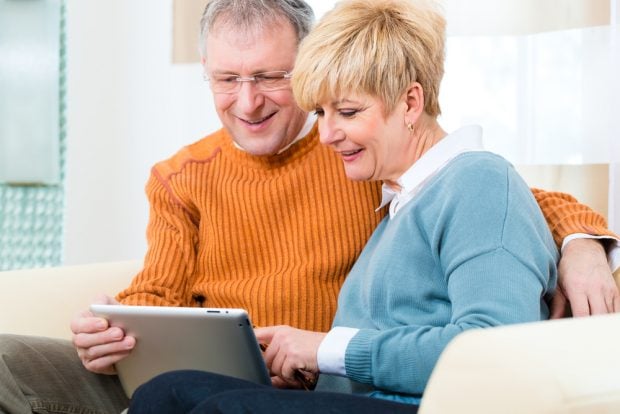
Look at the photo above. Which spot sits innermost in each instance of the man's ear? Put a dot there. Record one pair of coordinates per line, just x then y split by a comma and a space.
414, 98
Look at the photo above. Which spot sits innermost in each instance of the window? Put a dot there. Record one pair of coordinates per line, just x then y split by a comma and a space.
31, 87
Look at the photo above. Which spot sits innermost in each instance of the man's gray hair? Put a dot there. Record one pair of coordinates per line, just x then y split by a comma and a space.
255, 14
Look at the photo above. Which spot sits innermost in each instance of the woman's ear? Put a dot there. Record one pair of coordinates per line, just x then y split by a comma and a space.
414, 98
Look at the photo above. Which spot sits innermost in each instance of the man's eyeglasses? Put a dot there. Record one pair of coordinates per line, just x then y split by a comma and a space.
265, 81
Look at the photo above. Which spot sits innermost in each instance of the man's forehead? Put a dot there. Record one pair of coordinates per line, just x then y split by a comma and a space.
255, 48
238, 39
231, 27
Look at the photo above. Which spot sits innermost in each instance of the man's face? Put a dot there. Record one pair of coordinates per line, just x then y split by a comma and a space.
260, 122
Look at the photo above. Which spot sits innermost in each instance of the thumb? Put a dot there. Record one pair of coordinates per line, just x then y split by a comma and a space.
558, 305
265, 335
103, 299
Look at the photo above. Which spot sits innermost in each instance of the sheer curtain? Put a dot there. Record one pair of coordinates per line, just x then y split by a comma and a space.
540, 76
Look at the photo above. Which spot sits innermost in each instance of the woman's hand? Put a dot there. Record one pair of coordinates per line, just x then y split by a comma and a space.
290, 355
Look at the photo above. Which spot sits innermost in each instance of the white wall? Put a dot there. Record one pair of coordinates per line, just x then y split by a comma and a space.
614, 178
614, 197
127, 108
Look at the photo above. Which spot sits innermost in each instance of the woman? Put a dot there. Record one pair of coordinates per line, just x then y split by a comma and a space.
464, 245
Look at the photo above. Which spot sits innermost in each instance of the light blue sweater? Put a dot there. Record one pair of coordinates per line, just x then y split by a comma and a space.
471, 250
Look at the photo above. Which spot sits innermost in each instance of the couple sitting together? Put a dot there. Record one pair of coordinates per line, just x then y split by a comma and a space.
434, 235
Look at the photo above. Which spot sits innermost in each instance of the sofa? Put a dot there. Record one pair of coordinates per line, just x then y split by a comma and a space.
562, 366
43, 301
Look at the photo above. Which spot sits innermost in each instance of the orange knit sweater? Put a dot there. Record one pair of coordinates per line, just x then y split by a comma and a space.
274, 235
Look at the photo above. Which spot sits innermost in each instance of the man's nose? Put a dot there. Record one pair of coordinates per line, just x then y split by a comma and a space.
249, 97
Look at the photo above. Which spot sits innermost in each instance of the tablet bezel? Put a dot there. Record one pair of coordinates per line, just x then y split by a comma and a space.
217, 340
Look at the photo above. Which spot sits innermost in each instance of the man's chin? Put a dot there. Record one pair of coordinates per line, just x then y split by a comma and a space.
259, 149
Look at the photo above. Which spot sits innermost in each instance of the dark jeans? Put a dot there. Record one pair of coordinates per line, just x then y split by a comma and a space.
203, 392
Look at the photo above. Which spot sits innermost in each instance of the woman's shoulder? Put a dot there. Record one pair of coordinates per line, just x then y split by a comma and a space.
478, 176
477, 167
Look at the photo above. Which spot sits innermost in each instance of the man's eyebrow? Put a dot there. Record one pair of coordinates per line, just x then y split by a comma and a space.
231, 72
224, 72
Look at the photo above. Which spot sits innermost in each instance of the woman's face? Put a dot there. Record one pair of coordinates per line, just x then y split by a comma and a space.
372, 146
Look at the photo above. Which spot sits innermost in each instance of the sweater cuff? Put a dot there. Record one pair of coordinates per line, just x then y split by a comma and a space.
358, 358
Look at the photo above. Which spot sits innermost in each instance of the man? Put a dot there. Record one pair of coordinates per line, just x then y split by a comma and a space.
257, 215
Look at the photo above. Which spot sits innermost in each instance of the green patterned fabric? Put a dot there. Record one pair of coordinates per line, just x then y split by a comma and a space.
31, 218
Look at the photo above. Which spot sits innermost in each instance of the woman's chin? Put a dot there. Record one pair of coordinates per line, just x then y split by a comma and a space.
358, 176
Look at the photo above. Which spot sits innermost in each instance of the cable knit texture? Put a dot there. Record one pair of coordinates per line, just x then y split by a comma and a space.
274, 235
566, 216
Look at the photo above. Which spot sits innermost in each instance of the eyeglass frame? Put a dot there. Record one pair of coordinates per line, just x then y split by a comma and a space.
238, 79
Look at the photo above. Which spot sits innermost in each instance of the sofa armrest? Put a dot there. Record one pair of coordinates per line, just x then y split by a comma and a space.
43, 301
560, 366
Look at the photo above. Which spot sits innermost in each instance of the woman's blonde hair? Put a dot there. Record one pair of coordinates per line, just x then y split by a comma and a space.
376, 47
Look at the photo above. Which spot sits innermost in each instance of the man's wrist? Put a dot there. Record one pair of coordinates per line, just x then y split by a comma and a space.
608, 245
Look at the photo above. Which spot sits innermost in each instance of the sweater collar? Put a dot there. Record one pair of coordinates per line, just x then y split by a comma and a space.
305, 130
285, 159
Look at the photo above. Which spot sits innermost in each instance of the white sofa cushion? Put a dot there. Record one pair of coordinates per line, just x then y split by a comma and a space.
560, 366
43, 301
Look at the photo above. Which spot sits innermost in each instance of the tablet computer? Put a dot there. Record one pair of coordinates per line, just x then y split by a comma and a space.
171, 338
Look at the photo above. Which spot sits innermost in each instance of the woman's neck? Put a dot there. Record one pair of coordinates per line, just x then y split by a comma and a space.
426, 133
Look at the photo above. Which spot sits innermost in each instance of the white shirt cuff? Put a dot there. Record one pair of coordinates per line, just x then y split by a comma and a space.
613, 252
331, 352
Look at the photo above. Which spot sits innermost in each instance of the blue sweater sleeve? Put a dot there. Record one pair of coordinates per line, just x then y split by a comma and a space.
492, 256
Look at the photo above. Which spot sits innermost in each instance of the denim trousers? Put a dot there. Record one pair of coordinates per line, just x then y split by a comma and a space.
202, 392
45, 376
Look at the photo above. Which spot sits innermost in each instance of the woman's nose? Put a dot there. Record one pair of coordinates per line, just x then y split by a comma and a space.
328, 133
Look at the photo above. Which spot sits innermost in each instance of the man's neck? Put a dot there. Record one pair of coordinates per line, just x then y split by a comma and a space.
303, 132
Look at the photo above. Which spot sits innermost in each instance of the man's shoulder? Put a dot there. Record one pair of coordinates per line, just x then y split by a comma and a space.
203, 150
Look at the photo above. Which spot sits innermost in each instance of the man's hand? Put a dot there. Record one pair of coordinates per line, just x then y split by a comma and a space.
585, 281
98, 345
290, 354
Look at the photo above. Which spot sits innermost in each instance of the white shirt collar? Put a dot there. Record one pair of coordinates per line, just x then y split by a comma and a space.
465, 139
305, 130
